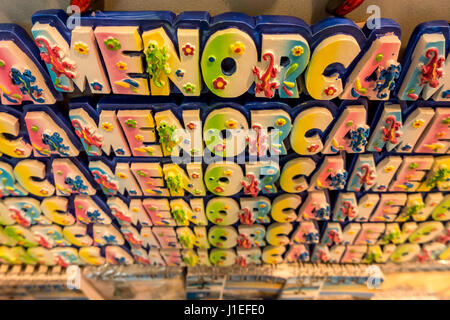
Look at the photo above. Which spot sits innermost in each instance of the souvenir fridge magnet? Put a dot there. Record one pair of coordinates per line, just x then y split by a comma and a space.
231, 120
70, 55
294, 173
415, 125
34, 178
21, 74
438, 176
330, 175
435, 138
257, 209
50, 236
389, 129
376, 69
48, 134
98, 130
315, 207
70, 177
306, 232
91, 255
270, 126
314, 119
350, 132
411, 173
441, 212
285, 54
364, 174
345, 208
228, 60
12, 134
24, 211
424, 61
336, 42
107, 235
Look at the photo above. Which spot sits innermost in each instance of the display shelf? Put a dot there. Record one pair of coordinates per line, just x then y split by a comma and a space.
27, 282
284, 281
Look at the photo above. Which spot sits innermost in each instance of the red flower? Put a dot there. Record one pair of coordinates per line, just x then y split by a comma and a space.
188, 50
191, 126
219, 83
330, 91
19, 152
313, 148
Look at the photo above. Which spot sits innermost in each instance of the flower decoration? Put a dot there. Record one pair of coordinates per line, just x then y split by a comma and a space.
237, 48
220, 83
297, 51
179, 73
121, 175
219, 147
141, 173
19, 152
389, 169
446, 121
418, 123
191, 126
112, 44
231, 124
188, 50
195, 175
121, 65
330, 91
189, 88
107, 126
434, 146
413, 165
412, 95
149, 150
139, 137
313, 148
96, 86
280, 122
81, 47
368, 205
131, 123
